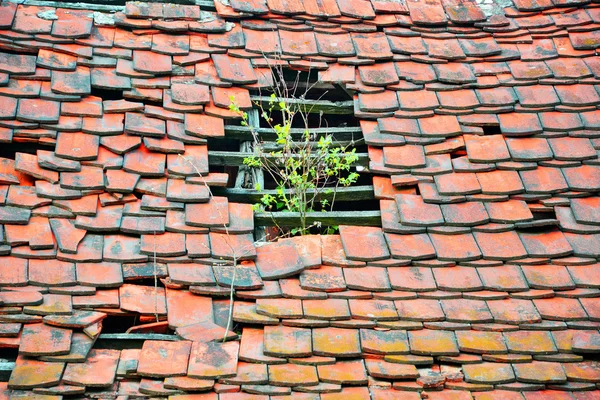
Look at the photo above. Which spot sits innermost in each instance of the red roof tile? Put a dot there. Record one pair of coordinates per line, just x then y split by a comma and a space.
482, 144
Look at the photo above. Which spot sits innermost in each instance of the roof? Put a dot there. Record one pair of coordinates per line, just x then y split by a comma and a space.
483, 135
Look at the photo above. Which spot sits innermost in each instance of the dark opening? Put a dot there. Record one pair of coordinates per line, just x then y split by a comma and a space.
492, 130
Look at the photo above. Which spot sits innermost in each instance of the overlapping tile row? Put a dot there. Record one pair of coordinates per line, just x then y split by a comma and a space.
482, 283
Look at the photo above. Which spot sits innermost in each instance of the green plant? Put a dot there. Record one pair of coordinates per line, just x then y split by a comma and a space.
303, 166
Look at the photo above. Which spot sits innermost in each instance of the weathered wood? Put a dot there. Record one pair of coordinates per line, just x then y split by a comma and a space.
343, 133
351, 193
231, 158
110, 6
272, 146
330, 218
311, 106
6, 368
129, 340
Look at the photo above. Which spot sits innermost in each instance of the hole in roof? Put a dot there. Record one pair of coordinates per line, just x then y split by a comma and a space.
106, 94
491, 130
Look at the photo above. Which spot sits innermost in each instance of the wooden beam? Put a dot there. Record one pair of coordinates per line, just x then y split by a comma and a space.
107, 5
110, 6
232, 158
330, 218
6, 368
350, 193
311, 106
267, 134
129, 340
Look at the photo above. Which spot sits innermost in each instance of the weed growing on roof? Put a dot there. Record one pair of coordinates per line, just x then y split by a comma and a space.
303, 168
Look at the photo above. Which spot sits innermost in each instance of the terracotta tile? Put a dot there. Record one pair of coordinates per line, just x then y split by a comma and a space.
431, 14
25, 196
332, 252
506, 278
384, 342
378, 102
169, 244
490, 373
179, 305
191, 274
145, 163
543, 180
592, 308
583, 178
373, 309
371, 45
27, 21
481, 342
275, 261
414, 212
431, 342
120, 248
89, 249
290, 288
279, 308
418, 100
13, 271
142, 299
163, 359
490, 148
329, 309
584, 275
412, 278
98, 370
226, 246
336, 342
513, 311
500, 246
41, 339
79, 319
540, 372
292, 375
211, 360
30, 373
324, 279
106, 219
309, 249
530, 342
561, 309
551, 243
548, 277
386, 370
298, 43
29, 110
246, 312
8, 14
51, 273
344, 372
460, 247
398, 126
519, 124
247, 279
283, 341
465, 214
466, 310
420, 310
28, 164
252, 347
192, 163
249, 373
457, 279
500, 182
234, 70
508, 211
367, 278
378, 75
